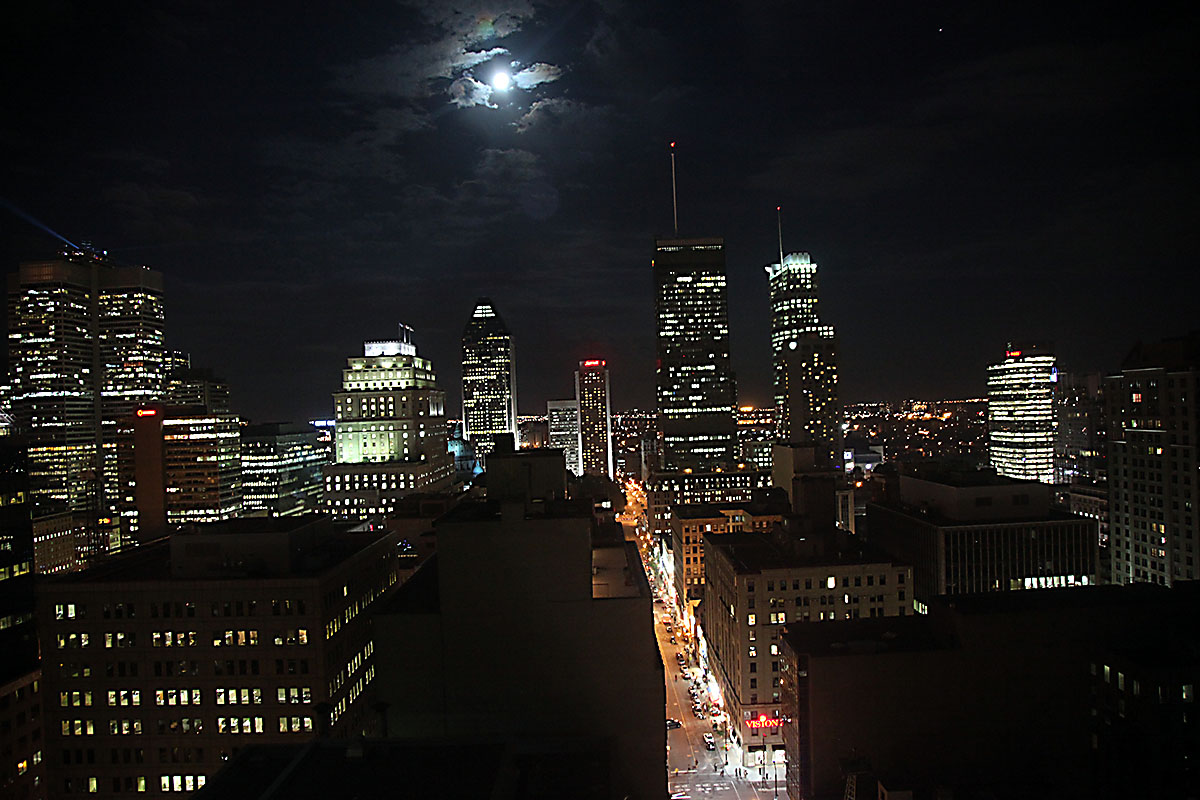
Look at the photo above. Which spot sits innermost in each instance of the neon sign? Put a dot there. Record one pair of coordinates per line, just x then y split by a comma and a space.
146, 412
765, 722
594, 363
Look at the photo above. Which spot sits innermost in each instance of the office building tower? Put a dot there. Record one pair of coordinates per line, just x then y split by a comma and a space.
968, 532
665, 490
189, 648
696, 388
85, 348
1080, 440
562, 417
1153, 456
1021, 421
595, 418
390, 436
755, 432
804, 359
178, 466
198, 387
282, 469
489, 370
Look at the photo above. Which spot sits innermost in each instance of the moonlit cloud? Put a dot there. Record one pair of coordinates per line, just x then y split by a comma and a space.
536, 74
466, 92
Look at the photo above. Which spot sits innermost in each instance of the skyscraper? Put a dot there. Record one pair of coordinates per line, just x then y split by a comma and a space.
390, 435
85, 349
562, 419
695, 382
281, 469
595, 420
803, 358
1021, 422
489, 379
1153, 418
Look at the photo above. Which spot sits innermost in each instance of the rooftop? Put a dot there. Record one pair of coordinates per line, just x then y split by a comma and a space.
866, 635
243, 549
756, 552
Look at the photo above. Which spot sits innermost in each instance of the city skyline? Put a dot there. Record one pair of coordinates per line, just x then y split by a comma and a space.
987, 169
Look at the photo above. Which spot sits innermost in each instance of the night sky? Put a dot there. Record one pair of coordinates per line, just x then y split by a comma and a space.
307, 176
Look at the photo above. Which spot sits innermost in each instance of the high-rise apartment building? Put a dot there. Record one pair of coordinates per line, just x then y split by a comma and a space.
696, 388
281, 469
1153, 423
168, 659
1021, 419
595, 418
562, 418
390, 431
804, 359
489, 370
85, 348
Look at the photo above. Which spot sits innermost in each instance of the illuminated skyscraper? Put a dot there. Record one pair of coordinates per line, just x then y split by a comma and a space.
1021, 417
85, 348
695, 382
281, 469
595, 419
390, 437
489, 379
804, 359
562, 419
183, 466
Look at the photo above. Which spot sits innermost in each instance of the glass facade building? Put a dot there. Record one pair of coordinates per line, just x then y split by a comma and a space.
1021, 414
696, 389
489, 379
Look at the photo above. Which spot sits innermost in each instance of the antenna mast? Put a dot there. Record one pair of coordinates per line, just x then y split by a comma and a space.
779, 224
674, 196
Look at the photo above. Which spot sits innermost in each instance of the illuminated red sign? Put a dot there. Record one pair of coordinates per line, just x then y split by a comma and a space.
147, 412
1013, 353
765, 722
595, 363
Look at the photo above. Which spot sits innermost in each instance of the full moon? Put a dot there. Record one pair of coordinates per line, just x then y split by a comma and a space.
500, 81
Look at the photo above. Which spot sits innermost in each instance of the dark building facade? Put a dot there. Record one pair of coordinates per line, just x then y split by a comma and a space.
976, 532
163, 662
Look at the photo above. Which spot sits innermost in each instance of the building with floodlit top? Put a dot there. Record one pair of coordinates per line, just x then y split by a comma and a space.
1021, 413
595, 418
696, 388
489, 371
390, 431
804, 359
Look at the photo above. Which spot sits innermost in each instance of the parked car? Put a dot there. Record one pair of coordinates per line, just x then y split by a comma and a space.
674, 723
708, 738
